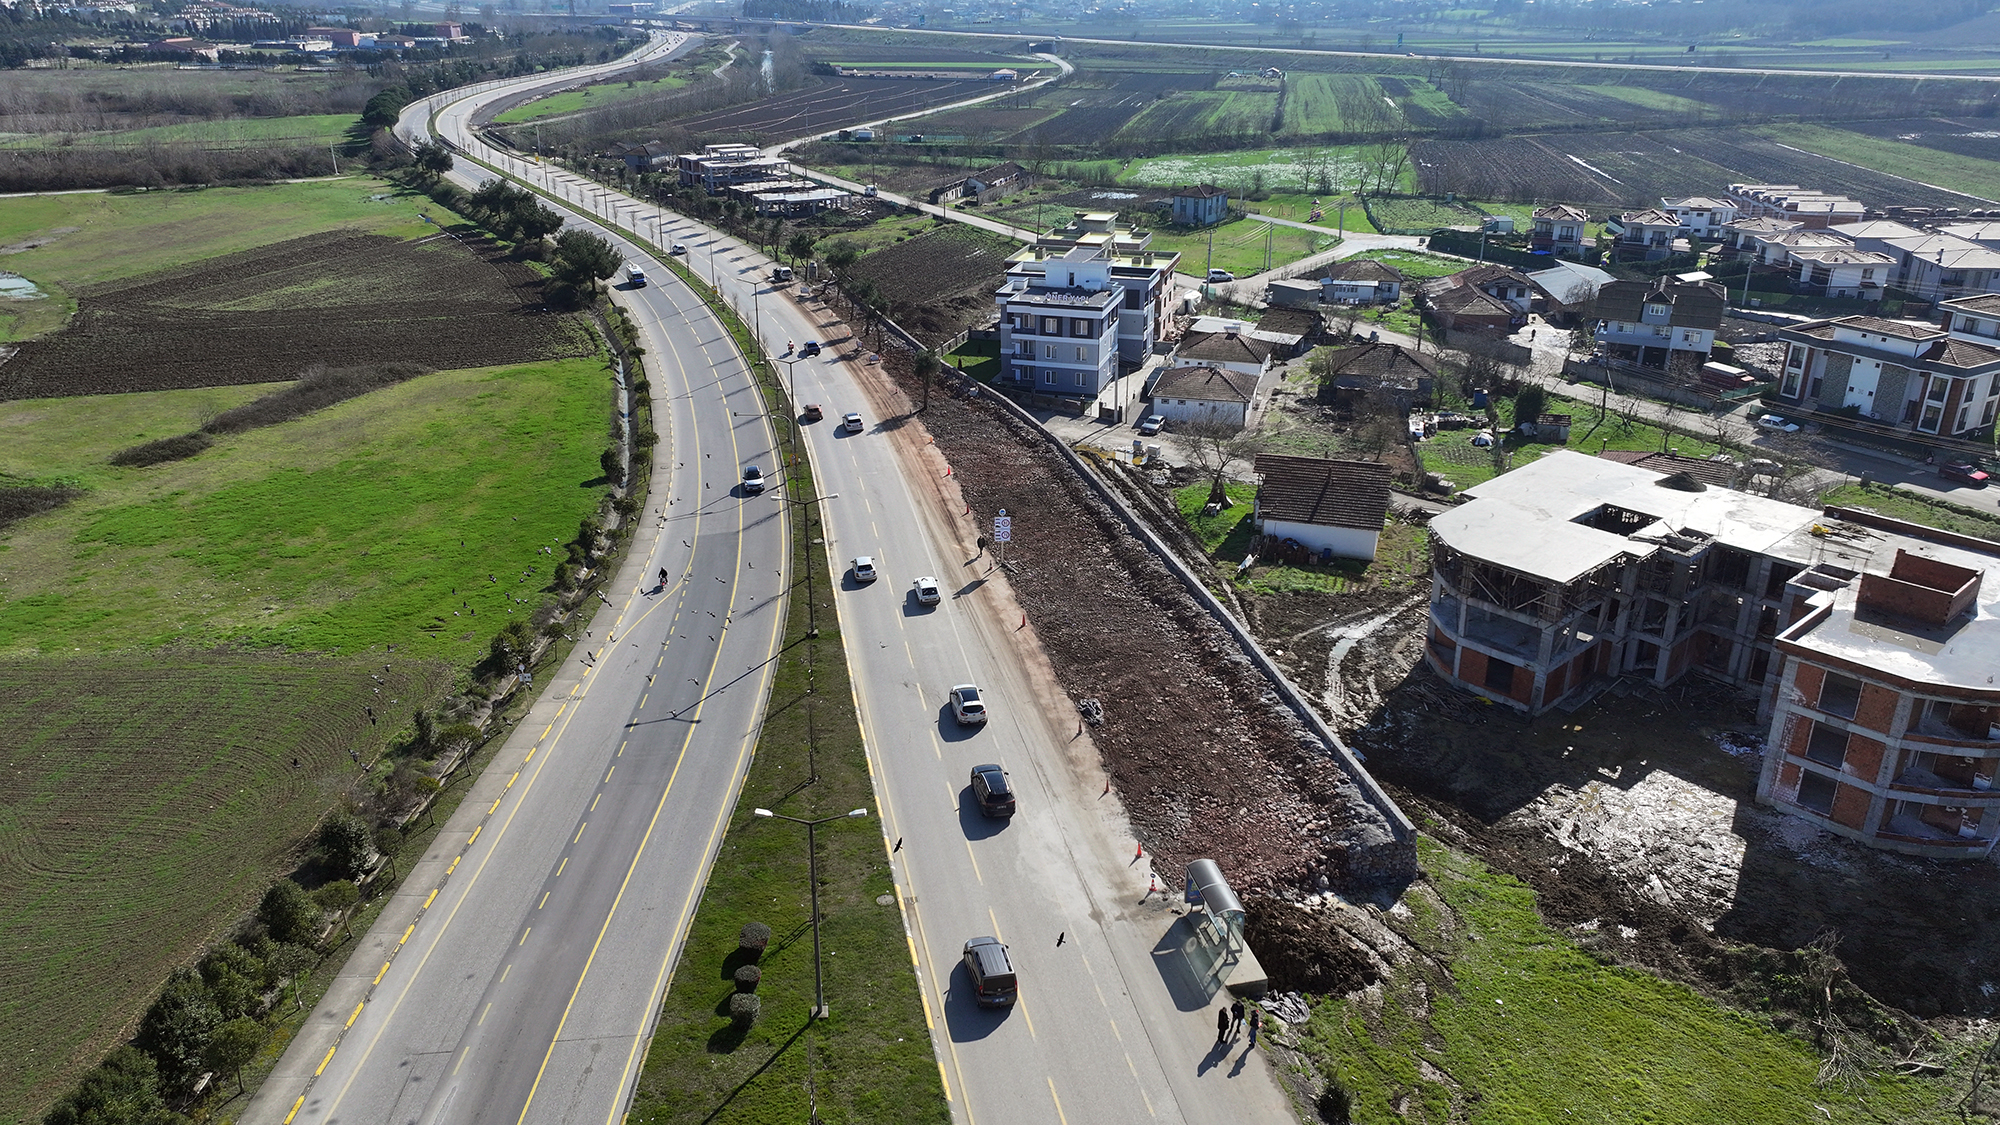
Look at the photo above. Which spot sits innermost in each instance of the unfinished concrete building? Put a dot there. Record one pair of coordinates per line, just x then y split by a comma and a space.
1873, 644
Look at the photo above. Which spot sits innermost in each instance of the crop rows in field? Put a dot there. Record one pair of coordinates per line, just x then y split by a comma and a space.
1637, 169
941, 280
338, 298
1321, 104
852, 54
830, 105
152, 800
1978, 138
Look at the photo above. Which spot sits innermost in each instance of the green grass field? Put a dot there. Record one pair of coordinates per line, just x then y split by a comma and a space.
235, 132
1967, 174
590, 97
1452, 454
365, 525
146, 801
1500, 1019
1236, 170
1239, 247
1898, 504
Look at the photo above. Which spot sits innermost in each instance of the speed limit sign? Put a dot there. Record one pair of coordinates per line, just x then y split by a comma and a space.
1003, 527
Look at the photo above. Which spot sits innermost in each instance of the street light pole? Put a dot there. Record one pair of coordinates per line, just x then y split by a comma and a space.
812, 875
812, 610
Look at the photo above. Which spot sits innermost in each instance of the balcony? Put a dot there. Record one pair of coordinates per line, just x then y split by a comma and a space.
1929, 728
1917, 779
1903, 828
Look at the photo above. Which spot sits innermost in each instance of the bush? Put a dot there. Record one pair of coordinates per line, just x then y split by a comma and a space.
512, 646
346, 846
747, 978
1529, 405
160, 452
743, 1009
289, 914
176, 1029
124, 1088
754, 937
1334, 1105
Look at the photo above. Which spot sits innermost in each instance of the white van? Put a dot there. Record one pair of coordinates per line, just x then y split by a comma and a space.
635, 275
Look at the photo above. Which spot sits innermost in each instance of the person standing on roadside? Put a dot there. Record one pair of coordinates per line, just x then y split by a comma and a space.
1221, 1025
1256, 1024
1235, 1018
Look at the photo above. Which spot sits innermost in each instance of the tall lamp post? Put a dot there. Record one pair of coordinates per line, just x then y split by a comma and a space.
812, 876
812, 613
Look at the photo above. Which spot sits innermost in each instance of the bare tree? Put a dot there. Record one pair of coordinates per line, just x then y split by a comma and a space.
1215, 448
1803, 460
1381, 423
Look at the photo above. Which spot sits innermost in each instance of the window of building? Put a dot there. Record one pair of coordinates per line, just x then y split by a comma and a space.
1840, 695
1986, 415
1816, 793
1079, 379
1052, 326
1079, 328
1048, 351
1499, 675
1660, 311
1867, 274
1938, 389
1827, 745
1929, 422
1795, 356
1791, 387
1080, 356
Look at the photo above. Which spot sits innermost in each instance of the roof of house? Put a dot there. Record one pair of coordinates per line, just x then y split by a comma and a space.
1199, 191
1292, 322
1978, 230
1908, 330
1363, 269
1697, 304
1319, 490
1763, 224
1224, 347
1562, 211
1877, 228
1700, 468
1988, 303
1560, 279
1803, 237
997, 172
1381, 363
1487, 274
1698, 203
1650, 217
1843, 256
1208, 384
1467, 300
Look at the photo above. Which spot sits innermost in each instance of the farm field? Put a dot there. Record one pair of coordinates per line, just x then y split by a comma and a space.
1976, 175
336, 298
351, 529
1239, 247
150, 802
232, 132
1281, 168
837, 103
940, 281
590, 97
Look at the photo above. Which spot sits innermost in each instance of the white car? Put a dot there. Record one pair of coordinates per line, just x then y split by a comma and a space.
1771, 423
927, 590
679, 248
851, 423
966, 706
1153, 424
1220, 275
864, 568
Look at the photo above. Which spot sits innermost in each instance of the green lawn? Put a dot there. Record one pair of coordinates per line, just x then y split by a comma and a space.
1226, 534
1898, 504
979, 359
233, 132
1527, 1028
1415, 263
1452, 454
371, 523
1945, 169
1235, 170
590, 97
1297, 206
871, 1060
1239, 247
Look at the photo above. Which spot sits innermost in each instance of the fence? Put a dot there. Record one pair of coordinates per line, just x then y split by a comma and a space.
1631, 379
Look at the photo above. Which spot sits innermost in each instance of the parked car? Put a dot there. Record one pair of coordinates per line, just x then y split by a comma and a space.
810, 349
992, 790
864, 568
1220, 275
1153, 424
966, 706
994, 984
679, 248
753, 480
813, 412
927, 591
1964, 472
1771, 423
851, 423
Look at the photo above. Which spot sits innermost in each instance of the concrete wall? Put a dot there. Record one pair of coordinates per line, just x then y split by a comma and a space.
1345, 542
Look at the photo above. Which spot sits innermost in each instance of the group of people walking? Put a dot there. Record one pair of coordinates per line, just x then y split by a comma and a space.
1229, 1022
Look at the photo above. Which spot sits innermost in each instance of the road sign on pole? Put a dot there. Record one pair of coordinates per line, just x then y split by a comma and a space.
1003, 528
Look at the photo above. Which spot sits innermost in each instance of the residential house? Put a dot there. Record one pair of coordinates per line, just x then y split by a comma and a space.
1353, 373
1362, 281
1973, 319
1648, 234
1815, 210
1986, 232
1467, 308
1939, 267
1230, 345
1145, 275
1571, 289
1206, 393
1740, 237
648, 157
1869, 640
1775, 250
1701, 217
1876, 234
448, 30
1305, 327
1919, 377
986, 186
1332, 507
1560, 230
1059, 328
1842, 272
1294, 293
1650, 323
1200, 205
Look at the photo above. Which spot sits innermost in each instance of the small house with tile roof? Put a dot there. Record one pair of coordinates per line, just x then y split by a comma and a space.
1330, 506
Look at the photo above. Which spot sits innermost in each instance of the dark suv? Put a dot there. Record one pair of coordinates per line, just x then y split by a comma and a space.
992, 972
992, 790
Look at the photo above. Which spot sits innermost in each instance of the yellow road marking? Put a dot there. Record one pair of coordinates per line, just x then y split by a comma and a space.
560, 866
295, 1109
476, 829
579, 831
524, 936
326, 1060
429, 900
380, 975
407, 933
545, 899
355, 1014
1058, 1101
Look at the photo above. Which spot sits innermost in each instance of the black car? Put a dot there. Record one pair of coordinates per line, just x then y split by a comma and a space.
992, 790
993, 981
811, 349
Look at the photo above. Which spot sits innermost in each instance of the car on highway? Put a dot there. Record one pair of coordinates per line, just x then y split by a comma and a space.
992, 790
1964, 472
636, 274
810, 349
994, 984
814, 412
864, 568
851, 423
927, 590
1771, 423
1220, 275
679, 248
966, 705
1153, 424
753, 480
